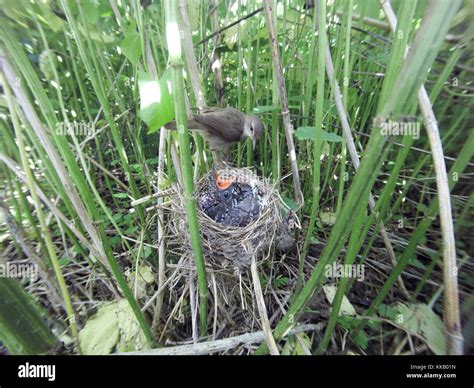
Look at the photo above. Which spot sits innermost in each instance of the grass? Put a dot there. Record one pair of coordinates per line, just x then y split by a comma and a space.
334, 69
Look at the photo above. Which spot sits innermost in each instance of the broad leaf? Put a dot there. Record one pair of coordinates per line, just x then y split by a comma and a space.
420, 319
346, 306
131, 46
156, 101
113, 327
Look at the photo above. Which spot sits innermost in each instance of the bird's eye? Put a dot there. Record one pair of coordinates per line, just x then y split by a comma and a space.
251, 129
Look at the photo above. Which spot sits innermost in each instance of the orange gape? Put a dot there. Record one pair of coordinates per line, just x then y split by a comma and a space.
222, 183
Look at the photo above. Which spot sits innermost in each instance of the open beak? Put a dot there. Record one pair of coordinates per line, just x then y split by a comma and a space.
222, 183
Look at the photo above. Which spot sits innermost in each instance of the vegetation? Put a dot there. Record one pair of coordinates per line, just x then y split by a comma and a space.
368, 140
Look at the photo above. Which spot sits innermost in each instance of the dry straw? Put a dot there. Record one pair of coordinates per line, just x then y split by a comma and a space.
229, 247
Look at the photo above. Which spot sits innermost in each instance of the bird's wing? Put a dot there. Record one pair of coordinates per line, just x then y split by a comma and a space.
192, 124
226, 123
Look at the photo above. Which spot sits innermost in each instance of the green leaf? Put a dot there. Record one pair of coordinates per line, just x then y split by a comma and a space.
138, 281
120, 195
16, 9
156, 102
361, 339
289, 346
64, 261
113, 327
326, 150
388, 312
131, 230
280, 282
302, 345
349, 323
331, 137
117, 217
420, 319
309, 133
264, 109
422, 208
114, 241
131, 46
346, 306
100, 335
91, 11
298, 98
290, 203
147, 251
129, 218
306, 133
328, 218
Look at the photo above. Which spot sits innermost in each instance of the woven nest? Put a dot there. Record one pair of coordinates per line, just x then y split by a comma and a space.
227, 247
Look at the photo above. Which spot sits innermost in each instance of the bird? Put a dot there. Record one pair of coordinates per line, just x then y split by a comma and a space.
230, 202
221, 127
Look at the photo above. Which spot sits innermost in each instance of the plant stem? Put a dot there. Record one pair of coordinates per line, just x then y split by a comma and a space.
176, 63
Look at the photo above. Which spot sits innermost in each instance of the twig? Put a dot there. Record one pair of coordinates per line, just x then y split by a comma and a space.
219, 345
220, 31
108, 173
159, 194
262, 310
162, 288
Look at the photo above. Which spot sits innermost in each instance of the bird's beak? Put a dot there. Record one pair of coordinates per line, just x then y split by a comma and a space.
254, 143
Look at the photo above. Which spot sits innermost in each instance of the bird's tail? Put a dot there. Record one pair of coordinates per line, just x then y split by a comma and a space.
171, 125
192, 124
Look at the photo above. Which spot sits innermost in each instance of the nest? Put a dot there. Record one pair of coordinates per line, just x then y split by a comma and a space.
223, 244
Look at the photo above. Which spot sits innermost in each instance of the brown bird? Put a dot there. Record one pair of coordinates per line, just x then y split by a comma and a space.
222, 127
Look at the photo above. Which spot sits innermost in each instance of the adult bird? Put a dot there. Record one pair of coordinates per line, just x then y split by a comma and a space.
222, 127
